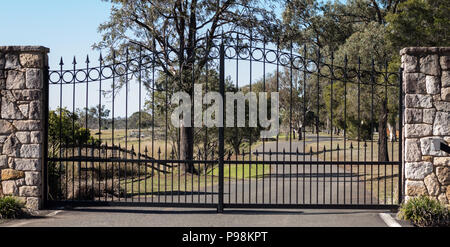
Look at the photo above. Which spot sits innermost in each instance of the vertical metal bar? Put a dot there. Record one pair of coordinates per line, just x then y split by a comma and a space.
277, 141
86, 116
221, 129
126, 128
153, 115
372, 77
331, 130
345, 132
73, 136
317, 125
359, 123
250, 134
112, 123
290, 121
264, 141
61, 63
304, 118
139, 122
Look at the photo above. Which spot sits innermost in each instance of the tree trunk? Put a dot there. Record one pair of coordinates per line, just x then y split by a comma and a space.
382, 135
187, 148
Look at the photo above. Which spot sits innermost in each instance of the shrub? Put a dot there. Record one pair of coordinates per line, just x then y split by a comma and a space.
11, 208
423, 211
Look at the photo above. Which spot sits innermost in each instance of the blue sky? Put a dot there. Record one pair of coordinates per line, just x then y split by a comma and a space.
69, 28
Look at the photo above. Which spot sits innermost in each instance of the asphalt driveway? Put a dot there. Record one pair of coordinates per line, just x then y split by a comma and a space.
180, 217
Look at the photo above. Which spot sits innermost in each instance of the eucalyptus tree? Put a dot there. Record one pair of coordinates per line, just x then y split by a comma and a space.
181, 35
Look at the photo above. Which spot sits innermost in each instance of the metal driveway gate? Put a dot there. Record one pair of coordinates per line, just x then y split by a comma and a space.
110, 140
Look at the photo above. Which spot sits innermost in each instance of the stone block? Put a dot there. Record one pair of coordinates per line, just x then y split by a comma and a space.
10, 110
10, 188
410, 63
10, 174
23, 136
36, 137
445, 79
415, 83
31, 60
34, 79
30, 151
3, 161
445, 62
11, 146
443, 174
413, 115
428, 116
6, 127
441, 124
33, 203
442, 106
412, 150
441, 161
418, 101
35, 110
445, 94
15, 80
27, 191
27, 125
415, 188
418, 130
418, 170
27, 164
32, 178
12, 61
433, 84
429, 65
432, 184
427, 148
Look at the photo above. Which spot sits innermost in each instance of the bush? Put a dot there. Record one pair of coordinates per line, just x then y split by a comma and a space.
423, 211
11, 208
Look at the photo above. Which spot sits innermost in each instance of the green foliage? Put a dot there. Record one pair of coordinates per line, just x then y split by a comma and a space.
145, 120
420, 23
364, 132
64, 129
423, 211
11, 208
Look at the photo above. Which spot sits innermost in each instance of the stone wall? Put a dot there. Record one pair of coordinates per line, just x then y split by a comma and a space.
426, 84
21, 84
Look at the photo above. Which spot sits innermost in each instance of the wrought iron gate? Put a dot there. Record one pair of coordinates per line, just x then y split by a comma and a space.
334, 114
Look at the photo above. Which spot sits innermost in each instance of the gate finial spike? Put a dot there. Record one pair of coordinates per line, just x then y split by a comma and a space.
145, 150
351, 145
61, 61
87, 59
100, 58
74, 60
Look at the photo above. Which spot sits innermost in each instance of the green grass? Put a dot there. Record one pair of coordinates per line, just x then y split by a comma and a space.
180, 181
11, 208
425, 212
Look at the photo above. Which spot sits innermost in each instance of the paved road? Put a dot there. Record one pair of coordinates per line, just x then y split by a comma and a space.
176, 217
296, 184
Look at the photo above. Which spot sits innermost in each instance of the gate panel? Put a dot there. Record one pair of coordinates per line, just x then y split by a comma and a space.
111, 140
